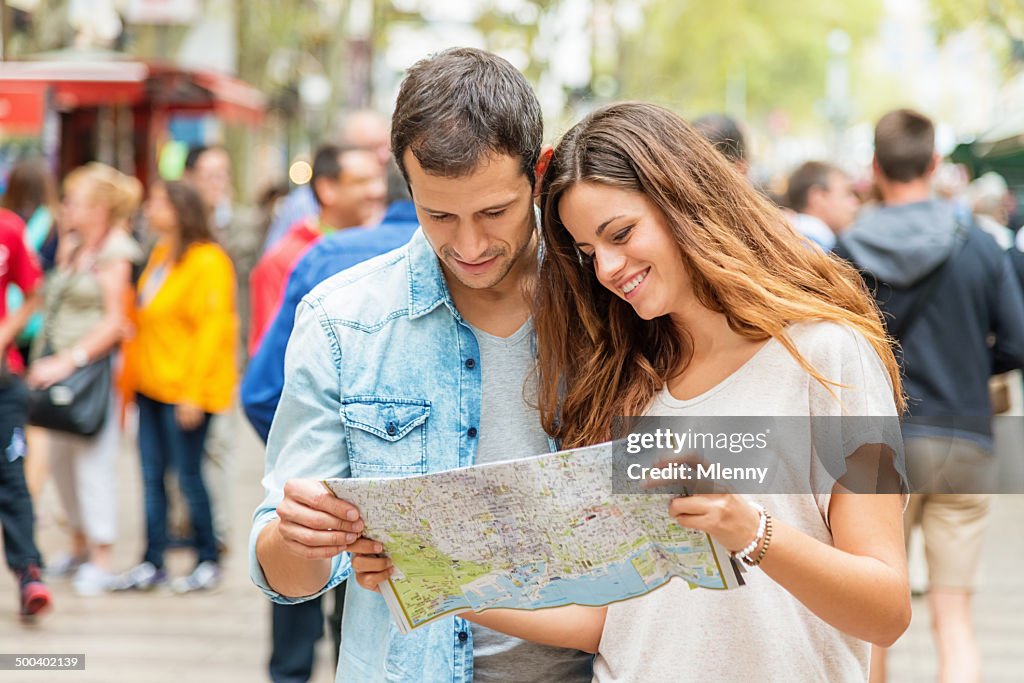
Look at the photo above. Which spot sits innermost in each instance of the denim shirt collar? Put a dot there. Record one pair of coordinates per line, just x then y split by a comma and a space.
427, 286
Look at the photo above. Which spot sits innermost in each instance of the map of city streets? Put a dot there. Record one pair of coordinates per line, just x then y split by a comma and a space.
526, 534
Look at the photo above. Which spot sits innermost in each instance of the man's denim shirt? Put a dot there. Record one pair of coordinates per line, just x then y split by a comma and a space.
382, 379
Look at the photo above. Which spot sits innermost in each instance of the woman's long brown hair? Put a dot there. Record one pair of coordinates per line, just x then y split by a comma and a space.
598, 360
193, 222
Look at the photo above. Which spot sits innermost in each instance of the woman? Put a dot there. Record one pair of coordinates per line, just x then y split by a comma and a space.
182, 359
83, 322
669, 287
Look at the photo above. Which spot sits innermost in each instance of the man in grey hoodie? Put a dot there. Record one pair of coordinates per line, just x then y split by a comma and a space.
948, 294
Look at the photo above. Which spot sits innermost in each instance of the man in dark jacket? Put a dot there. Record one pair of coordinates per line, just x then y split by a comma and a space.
949, 295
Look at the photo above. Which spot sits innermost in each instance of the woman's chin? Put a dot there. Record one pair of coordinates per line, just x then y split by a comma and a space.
645, 312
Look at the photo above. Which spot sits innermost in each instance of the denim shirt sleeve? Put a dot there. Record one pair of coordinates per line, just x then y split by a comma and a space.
307, 438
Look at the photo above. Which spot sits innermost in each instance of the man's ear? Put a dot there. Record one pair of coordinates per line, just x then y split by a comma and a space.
543, 161
934, 164
325, 191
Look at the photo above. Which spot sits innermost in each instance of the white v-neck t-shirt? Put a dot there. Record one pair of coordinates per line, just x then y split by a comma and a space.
757, 632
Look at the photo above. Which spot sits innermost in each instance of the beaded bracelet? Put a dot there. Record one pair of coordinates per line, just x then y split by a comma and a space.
767, 542
762, 522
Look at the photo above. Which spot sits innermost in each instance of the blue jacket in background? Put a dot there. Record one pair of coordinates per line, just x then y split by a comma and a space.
264, 377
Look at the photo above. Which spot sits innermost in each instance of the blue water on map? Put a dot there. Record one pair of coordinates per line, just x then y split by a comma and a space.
527, 587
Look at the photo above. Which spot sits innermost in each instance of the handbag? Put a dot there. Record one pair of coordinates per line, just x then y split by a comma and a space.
79, 403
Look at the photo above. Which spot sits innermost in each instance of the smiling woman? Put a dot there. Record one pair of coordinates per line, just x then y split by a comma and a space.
642, 200
670, 288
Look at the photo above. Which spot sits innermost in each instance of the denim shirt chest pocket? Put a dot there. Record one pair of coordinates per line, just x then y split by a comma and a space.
385, 436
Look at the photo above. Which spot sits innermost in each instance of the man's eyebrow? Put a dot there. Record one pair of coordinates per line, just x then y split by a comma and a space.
496, 207
428, 209
604, 225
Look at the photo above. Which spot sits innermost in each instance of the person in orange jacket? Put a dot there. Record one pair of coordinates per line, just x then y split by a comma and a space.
186, 325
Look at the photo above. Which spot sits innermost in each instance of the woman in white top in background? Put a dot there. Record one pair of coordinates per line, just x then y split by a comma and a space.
670, 287
84, 321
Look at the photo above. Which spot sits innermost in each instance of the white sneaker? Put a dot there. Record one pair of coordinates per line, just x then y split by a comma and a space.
64, 565
206, 576
91, 580
142, 577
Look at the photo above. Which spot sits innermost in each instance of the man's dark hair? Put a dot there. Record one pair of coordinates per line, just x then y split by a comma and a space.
724, 133
904, 145
809, 175
192, 158
196, 151
460, 105
327, 164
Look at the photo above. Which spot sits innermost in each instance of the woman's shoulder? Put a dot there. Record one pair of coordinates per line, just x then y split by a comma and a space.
206, 255
119, 245
843, 354
815, 337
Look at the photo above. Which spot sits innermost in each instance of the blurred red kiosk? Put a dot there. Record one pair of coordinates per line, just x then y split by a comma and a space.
76, 108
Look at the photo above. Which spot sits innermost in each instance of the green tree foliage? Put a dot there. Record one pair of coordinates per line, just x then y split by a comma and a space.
688, 51
1003, 18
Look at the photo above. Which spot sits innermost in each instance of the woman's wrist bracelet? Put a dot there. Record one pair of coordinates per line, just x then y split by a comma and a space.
767, 542
762, 523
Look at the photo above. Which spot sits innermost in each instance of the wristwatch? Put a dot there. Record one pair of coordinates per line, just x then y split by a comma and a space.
79, 356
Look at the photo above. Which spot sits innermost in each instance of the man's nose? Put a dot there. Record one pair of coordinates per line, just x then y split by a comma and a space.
470, 243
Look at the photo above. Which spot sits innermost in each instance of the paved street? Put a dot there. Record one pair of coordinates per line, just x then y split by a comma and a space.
224, 636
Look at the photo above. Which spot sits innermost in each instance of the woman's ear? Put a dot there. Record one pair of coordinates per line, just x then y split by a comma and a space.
543, 161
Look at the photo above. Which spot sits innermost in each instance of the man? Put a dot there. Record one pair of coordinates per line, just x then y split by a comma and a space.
822, 197
348, 185
364, 129
17, 266
949, 296
296, 628
415, 362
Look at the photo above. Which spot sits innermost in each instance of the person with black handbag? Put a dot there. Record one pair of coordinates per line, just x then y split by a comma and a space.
70, 374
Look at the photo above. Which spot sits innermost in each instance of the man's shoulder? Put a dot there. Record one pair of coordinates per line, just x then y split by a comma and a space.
382, 238
378, 285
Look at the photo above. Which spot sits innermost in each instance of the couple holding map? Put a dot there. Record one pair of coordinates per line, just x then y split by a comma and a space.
657, 282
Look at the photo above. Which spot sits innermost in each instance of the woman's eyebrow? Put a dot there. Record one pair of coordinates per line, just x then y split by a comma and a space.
604, 225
